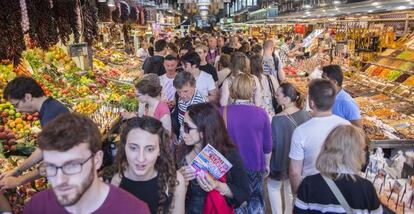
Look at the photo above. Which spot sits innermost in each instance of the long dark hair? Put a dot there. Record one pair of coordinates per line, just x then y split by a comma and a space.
210, 123
290, 90
167, 174
256, 64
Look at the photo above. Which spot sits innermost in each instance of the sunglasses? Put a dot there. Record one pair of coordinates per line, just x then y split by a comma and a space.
187, 128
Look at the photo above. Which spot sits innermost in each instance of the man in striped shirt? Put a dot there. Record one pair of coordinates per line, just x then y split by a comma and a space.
185, 84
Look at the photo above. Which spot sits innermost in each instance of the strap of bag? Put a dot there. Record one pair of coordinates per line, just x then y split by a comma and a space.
338, 194
225, 115
272, 90
292, 120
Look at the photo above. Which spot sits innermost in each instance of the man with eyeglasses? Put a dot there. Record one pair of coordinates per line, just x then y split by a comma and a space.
72, 155
26, 95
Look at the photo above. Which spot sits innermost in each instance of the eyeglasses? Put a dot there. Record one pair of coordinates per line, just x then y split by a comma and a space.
187, 128
68, 169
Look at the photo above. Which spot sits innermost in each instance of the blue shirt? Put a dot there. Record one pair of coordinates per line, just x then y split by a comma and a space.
50, 109
346, 107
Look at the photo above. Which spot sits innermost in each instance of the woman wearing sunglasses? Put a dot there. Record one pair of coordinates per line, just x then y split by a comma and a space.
144, 166
204, 125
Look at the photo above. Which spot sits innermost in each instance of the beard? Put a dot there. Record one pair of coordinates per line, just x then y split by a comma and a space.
69, 200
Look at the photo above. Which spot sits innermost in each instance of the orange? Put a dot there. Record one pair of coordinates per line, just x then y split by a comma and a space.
12, 124
19, 126
19, 121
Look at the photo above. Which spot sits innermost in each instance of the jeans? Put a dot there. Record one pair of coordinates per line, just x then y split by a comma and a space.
256, 202
275, 189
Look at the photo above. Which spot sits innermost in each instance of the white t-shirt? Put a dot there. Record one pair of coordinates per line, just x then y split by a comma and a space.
308, 138
168, 90
205, 83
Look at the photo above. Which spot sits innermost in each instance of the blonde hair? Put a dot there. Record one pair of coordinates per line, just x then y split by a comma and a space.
343, 149
242, 87
239, 63
202, 47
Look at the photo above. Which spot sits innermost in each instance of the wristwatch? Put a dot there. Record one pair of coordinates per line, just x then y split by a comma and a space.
18, 172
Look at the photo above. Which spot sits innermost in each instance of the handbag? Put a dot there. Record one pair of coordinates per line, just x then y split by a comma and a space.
275, 104
215, 203
338, 195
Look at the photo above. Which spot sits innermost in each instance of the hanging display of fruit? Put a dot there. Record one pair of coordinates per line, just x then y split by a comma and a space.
11, 34
89, 22
67, 18
42, 28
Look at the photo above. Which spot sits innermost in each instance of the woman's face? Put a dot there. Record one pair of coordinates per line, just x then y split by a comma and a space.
281, 99
142, 150
191, 134
143, 98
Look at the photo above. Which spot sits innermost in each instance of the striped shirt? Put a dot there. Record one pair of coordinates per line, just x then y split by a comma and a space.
182, 107
315, 196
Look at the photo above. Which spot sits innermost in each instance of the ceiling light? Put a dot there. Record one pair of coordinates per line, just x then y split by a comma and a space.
375, 3
307, 6
337, 2
370, 11
378, 6
401, 8
185, 17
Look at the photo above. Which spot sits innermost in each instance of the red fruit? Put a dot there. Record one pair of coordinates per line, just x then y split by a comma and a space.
10, 136
11, 141
1, 128
4, 120
29, 117
36, 114
4, 114
6, 147
13, 148
35, 118
3, 136
23, 117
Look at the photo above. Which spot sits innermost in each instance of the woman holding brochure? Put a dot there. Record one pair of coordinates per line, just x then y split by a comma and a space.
203, 126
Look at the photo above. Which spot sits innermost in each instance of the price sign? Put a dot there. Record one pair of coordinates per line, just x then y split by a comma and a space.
79, 49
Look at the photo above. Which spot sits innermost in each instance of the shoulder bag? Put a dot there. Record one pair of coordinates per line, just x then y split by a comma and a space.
275, 104
338, 195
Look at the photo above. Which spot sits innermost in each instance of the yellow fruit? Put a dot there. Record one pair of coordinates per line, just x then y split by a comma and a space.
19, 126
18, 121
12, 124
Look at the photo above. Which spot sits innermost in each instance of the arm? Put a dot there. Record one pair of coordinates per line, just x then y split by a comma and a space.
13, 182
267, 142
213, 95
179, 195
258, 99
239, 183
166, 122
33, 159
225, 93
357, 123
282, 75
295, 174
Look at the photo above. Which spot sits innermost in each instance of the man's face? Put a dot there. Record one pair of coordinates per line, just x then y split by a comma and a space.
170, 66
186, 92
183, 52
220, 42
201, 53
23, 105
212, 43
69, 189
188, 67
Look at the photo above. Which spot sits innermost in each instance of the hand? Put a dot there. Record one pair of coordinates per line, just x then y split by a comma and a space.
171, 104
128, 115
207, 183
9, 183
188, 172
8, 174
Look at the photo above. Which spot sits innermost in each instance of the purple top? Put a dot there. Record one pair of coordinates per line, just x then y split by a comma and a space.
249, 128
117, 201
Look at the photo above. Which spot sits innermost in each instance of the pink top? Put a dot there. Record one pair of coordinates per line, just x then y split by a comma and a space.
161, 110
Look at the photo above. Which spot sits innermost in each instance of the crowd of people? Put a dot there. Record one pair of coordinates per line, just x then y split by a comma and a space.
225, 91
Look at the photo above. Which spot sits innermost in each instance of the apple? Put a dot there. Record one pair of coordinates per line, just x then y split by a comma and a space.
3, 135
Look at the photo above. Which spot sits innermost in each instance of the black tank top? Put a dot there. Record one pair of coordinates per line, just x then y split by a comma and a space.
146, 191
